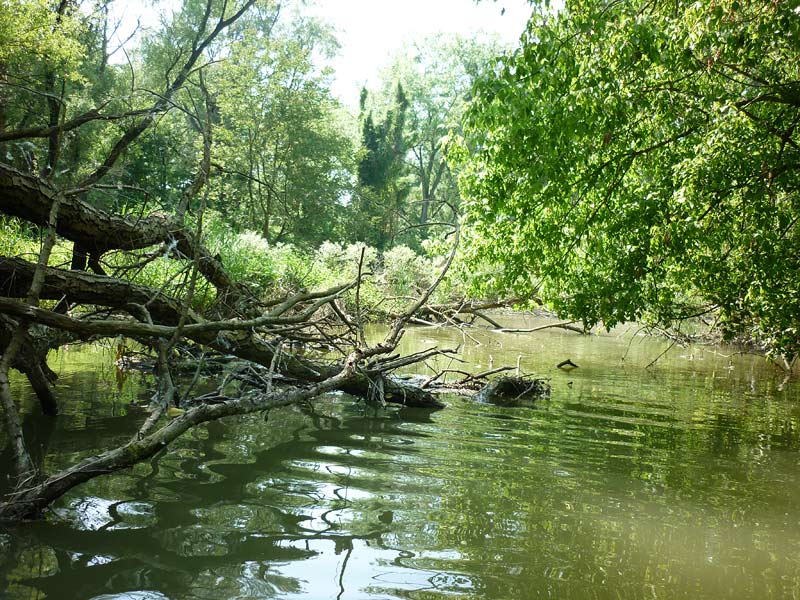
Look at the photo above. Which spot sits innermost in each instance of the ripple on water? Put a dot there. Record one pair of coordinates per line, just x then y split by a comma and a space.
628, 485
134, 595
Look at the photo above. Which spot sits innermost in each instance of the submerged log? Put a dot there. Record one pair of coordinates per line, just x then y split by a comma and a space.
508, 390
394, 391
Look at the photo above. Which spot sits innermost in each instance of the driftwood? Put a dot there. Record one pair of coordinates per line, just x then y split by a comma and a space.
508, 390
454, 312
566, 365
231, 338
568, 325
16, 276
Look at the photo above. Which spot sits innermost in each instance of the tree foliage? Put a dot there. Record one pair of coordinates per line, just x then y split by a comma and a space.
639, 160
35, 30
406, 122
283, 155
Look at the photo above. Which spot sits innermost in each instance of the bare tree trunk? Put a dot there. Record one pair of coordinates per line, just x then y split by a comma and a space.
24, 468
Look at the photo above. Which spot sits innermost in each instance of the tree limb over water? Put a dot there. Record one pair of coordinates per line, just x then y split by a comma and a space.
122, 308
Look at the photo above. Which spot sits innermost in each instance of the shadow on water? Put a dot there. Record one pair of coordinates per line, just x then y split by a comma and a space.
677, 481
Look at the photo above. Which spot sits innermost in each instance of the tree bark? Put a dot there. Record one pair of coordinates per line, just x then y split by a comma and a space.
96, 231
85, 288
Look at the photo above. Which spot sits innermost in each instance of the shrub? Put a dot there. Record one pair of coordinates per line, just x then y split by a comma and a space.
406, 273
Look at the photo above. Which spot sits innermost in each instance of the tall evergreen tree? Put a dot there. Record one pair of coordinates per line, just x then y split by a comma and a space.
383, 189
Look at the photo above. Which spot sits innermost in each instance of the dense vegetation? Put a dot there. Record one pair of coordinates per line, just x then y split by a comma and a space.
253, 125
640, 161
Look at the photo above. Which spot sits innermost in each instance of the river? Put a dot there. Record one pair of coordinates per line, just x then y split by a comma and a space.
678, 480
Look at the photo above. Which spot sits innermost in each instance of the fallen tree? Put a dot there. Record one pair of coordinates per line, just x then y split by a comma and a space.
120, 308
95, 232
260, 332
45, 305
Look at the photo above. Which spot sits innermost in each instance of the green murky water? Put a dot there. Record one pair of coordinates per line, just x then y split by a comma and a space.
677, 481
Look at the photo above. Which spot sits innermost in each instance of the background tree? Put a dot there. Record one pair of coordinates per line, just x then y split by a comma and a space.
44, 71
437, 74
283, 158
406, 123
640, 161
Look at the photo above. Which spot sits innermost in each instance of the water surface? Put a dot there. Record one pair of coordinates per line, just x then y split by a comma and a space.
676, 481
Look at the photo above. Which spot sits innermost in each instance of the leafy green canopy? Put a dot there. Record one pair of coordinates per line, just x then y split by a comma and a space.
640, 160
34, 30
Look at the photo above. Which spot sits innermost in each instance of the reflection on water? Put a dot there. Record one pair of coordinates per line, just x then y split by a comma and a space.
677, 481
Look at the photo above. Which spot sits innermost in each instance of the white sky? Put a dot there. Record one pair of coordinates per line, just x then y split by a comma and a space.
371, 31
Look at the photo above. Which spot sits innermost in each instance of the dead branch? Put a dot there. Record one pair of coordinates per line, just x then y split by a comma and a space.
29, 502
467, 381
395, 332
568, 325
